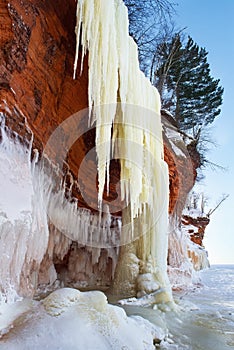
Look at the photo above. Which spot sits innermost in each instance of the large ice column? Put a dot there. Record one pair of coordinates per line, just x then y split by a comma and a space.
114, 75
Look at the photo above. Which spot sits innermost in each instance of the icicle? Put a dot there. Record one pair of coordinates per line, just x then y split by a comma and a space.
28, 201
99, 39
137, 138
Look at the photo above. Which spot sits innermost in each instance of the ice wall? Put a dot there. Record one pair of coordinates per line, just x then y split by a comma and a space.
38, 225
185, 259
114, 75
23, 225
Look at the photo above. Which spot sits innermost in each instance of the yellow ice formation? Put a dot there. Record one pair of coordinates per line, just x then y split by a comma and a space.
130, 128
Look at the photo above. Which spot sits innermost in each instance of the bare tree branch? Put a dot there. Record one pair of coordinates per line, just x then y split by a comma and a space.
211, 211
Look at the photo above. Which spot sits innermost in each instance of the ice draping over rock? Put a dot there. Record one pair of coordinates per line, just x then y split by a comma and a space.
115, 76
23, 223
37, 222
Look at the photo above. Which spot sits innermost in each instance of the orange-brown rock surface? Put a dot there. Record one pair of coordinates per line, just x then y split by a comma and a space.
195, 227
182, 169
37, 89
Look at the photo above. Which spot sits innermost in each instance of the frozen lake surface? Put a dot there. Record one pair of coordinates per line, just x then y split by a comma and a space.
205, 320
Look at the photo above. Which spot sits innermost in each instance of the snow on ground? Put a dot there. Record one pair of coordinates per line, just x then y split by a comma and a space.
69, 319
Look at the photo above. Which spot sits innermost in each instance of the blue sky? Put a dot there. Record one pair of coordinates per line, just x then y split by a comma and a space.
211, 24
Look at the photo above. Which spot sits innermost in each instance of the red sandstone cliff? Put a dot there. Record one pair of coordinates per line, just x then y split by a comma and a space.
36, 85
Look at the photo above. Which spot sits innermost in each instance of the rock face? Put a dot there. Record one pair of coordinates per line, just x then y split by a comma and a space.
182, 170
37, 91
195, 227
183, 161
186, 251
37, 51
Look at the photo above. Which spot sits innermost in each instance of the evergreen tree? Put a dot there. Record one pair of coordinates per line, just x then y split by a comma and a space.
180, 71
188, 91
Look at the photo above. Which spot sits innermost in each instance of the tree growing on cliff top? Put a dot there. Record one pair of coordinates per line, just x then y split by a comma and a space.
187, 89
178, 69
